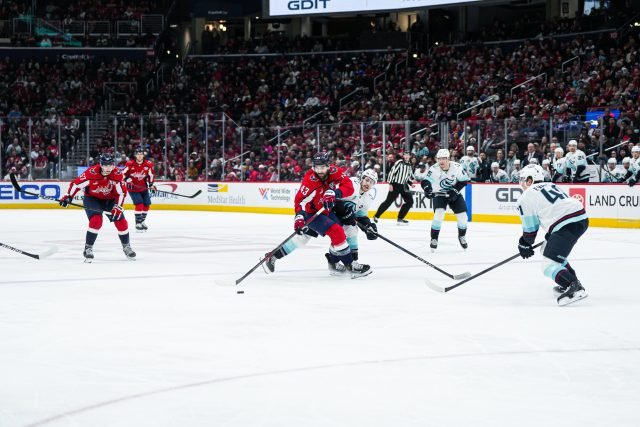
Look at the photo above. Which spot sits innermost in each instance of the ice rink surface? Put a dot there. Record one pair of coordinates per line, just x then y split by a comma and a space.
159, 342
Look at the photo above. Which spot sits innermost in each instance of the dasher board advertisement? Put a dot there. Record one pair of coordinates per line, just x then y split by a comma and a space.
308, 7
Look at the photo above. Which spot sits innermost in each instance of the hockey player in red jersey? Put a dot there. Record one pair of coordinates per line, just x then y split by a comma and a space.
138, 174
104, 190
320, 187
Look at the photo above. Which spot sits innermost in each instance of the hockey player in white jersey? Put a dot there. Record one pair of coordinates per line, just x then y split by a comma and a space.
611, 173
470, 163
543, 204
633, 174
546, 169
515, 173
576, 169
353, 213
444, 183
559, 165
497, 174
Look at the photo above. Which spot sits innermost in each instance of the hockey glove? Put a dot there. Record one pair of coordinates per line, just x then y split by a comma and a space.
632, 182
329, 200
453, 195
152, 187
116, 213
346, 212
65, 200
371, 231
428, 190
525, 248
299, 224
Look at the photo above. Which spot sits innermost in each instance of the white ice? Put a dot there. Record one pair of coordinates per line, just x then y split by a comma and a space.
160, 342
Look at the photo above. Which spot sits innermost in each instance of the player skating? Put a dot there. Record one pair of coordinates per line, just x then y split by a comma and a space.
138, 174
443, 184
564, 219
320, 187
104, 190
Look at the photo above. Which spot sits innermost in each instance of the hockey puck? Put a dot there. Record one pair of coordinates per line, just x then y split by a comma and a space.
239, 292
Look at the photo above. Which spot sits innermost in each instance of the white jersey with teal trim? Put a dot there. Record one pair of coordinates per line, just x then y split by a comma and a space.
545, 204
560, 165
515, 176
500, 176
471, 165
634, 166
547, 174
616, 175
362, 201
575, 159
443, 181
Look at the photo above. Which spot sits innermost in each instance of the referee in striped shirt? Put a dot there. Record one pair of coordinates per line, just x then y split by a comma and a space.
399, 178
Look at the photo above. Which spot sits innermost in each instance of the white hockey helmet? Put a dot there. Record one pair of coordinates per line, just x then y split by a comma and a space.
546, 162
559, 150
573, 142
534, 161
371, 174
626, 160
612, 161
635, 149
532, 171
442, 154
471, 148
495, 165
516, 162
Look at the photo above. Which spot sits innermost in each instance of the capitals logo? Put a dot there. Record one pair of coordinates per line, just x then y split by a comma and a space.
264, 192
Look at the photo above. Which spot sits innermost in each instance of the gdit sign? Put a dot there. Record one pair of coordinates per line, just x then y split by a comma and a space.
317, 5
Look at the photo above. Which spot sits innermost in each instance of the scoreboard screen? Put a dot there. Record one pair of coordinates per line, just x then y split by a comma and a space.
308, 7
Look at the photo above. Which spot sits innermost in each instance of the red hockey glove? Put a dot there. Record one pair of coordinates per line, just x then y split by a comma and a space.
329, 200
299, 224
65, 200
116, 213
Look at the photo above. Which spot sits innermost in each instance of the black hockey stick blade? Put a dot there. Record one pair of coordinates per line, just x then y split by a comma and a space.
44, 254
268, 256
486, 270
178, 194
16, 185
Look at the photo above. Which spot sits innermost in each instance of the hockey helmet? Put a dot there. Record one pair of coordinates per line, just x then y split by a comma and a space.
495, 165
371, 174
534, 161
535, 172
612, 161
546, 162
321, 159
572, 143
559, 150
138, 150
626, 160
471, 148
635, 149
442, 153
107, 159
516, 162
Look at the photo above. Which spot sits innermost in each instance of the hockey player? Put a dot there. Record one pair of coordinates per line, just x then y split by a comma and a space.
353, 213
515, 173
443, 184
543, 204
633, 174
138, 174
559, 165
497, 174
576, 169
104, 190
470, 163
320, 187
611, 172
547, 172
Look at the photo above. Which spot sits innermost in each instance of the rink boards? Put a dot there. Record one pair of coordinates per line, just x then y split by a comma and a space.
608, 205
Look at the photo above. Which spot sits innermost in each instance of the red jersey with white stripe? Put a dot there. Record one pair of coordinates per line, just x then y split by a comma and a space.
94, 184
309, 196
138, 174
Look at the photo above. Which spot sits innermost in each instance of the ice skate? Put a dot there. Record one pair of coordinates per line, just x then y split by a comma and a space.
375, 219
463, 242
403, 222
144, 226
433, 245
575, 292
88, 254
335, 268
358, 270
139, 228
130, 254
559, 290
269, 266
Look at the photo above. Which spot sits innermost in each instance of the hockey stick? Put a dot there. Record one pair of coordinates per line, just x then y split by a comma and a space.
268, 256
156, 191
451, 276
486, 270
44, 254
16, 185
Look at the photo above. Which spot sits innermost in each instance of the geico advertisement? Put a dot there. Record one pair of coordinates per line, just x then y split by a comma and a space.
600, 201
306, 7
